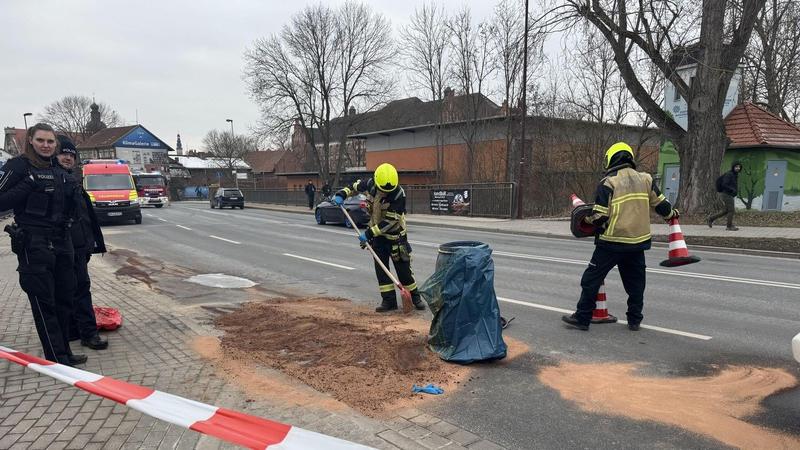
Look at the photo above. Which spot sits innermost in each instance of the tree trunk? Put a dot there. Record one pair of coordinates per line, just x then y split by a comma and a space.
701, 151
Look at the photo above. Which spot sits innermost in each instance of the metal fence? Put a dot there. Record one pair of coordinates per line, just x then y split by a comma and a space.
486, 199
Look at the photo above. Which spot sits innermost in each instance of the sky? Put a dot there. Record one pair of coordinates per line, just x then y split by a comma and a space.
174, 64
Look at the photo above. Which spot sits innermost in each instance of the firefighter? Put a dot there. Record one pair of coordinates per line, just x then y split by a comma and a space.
87, 239
621, 216
43, 197
386, 232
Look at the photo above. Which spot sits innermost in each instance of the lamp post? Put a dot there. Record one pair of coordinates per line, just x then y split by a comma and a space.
233, 142
25, 119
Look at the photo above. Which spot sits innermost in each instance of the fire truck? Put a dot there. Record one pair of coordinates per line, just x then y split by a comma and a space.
152, 188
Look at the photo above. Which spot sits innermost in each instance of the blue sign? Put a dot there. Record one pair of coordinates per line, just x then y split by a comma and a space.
140, 138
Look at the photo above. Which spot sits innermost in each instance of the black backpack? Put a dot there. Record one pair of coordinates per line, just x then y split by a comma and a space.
719, 183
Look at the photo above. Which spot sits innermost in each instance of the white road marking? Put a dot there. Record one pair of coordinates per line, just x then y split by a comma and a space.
223, 239
318, 261
163, 220
149, 215
185, 228
566, 311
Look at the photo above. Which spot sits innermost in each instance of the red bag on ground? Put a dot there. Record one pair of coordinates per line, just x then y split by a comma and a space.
107, 318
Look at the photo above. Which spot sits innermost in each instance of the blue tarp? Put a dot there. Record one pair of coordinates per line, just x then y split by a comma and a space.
466, 318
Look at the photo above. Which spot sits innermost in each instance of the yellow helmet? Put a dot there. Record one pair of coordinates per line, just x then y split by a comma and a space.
386, 177
616, 148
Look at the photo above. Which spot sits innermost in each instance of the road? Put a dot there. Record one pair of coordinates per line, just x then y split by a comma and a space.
731, 309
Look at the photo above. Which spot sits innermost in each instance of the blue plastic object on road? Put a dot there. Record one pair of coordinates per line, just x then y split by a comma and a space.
466, 324
429, 389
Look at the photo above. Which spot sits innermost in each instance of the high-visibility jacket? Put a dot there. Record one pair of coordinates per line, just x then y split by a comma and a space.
387, 209
621, 210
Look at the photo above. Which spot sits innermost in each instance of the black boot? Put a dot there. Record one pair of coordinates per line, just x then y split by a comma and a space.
95, 343
387, 305
77, 359
418, 303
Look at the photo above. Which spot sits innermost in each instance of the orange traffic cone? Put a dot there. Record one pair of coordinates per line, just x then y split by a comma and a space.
678, 252
600, 313
576, 201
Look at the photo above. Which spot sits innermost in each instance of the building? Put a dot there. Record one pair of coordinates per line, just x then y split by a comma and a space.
263, 164
214, 172
134, 143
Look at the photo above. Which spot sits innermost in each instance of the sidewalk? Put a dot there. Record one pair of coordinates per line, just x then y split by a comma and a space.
153, 349
559, 227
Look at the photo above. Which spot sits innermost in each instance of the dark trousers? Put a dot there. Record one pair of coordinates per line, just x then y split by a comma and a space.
83, 323
46, 274
729, 209
390, 251
310, 201
631, 270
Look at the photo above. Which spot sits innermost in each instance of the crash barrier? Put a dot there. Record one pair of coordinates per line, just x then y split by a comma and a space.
469, 199
466, 324
231, 426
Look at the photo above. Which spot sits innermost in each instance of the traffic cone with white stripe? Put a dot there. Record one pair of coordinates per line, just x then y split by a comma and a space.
576, 201
600, 313
678, 252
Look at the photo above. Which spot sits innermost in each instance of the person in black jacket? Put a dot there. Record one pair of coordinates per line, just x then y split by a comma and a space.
310, 191
728, 187
87, 239
43, 197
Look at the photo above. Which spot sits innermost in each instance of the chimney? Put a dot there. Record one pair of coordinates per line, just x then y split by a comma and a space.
352, 111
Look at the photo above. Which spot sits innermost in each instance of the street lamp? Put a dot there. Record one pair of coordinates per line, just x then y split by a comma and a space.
235, 174
25, 119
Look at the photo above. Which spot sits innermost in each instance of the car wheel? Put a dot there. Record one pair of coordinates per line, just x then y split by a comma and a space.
138, 220
241, 207
318, 216
159, 206
347, 223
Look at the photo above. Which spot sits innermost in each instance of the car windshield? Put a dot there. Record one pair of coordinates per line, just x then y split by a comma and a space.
357, 198
232, 193
149, 180
108, 182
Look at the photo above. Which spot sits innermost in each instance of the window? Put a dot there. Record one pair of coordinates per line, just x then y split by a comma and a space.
108, 182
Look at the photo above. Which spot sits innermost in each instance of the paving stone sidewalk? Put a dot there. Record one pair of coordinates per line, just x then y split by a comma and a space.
151, 349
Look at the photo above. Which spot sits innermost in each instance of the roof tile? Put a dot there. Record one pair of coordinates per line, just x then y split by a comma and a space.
749, 125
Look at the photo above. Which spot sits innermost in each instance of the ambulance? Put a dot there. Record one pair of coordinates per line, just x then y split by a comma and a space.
112, 190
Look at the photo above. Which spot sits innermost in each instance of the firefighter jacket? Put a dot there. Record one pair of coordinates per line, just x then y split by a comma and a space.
621, 211
387, 210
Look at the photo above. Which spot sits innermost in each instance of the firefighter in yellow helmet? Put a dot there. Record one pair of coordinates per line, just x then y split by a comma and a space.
386, 232
621, 216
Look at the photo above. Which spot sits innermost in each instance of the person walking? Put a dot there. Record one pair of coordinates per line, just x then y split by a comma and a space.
43, 197
326, 190
311, 190
727, 189
386, 232
87, 239
621, 216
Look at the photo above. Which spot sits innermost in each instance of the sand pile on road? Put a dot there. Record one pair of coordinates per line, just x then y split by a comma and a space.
358, 357
714, 405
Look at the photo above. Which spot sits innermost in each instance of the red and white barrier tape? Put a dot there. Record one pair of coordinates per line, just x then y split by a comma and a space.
228, 425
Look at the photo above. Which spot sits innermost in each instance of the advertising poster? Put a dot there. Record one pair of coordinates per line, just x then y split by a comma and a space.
450, 201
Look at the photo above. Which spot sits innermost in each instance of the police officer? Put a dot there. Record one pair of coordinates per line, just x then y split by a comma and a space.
43, 197
387, 232
87, 239
621, 216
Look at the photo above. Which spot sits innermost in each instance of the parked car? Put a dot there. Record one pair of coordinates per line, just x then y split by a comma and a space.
232, 197
328, 212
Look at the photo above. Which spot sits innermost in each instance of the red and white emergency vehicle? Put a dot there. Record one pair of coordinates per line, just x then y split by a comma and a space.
152, 188
111, 189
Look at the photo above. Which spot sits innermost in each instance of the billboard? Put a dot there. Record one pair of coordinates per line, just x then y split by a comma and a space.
450, 201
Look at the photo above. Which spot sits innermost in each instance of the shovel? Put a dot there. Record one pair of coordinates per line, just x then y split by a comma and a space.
404, 293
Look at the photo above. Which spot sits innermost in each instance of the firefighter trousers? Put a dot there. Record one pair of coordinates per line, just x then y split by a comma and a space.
632, 271
47, 275
399, 253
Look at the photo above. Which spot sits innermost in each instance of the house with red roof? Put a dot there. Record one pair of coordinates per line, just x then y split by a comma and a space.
768, 148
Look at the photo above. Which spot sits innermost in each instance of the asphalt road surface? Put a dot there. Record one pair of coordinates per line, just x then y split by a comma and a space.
729, 309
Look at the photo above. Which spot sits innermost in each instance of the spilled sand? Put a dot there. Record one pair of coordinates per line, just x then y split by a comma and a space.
713, 406
348, 354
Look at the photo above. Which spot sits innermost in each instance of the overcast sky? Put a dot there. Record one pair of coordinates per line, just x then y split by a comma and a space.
178, 63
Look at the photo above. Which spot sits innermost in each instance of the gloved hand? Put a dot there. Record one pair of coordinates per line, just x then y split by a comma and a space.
429, 389
674, 214
338, 200
362, 240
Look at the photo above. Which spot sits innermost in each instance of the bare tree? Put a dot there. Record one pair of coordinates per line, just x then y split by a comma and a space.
228, 149
71, 115
473, 65
323, 61
426, 59
662, 30
773, 59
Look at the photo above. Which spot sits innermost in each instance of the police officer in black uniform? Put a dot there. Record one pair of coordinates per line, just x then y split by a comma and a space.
43, 197
87, 239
